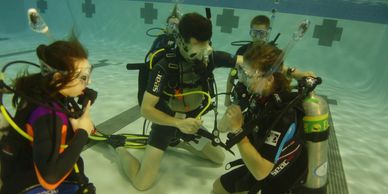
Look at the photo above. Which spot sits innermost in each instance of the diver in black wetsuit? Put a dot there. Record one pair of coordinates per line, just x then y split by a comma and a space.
51, 161
170, 32
274, 155
178, 90
260, 28
162, 41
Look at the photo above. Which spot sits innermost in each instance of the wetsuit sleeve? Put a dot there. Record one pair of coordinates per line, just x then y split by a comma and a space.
278, 138
224, 59
157, 80
52, 164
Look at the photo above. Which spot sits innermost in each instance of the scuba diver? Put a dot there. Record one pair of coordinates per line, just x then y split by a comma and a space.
47, 158
259, 32
178, 92
266, 105
260, 29
171, 30
164, 40
274, 157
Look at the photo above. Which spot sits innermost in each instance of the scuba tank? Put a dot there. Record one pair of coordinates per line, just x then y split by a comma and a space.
316, 129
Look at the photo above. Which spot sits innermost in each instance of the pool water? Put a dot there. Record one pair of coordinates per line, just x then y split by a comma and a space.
348, 53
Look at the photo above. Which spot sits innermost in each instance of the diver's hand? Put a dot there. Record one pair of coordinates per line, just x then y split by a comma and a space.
189, 125
233, 119
84, 122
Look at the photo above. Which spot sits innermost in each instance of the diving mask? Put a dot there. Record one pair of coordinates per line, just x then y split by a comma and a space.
172, 25
254, 80
259, 34
171, 28
84, 74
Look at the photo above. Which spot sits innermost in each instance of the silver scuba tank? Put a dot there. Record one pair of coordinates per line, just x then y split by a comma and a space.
316, 128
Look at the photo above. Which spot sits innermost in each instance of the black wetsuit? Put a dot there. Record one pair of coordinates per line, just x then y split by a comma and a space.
282, 145
167, 77
243, 49
160, 42
43, 162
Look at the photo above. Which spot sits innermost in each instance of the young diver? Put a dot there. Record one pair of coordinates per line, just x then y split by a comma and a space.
51, 162
172, 22
274, 156
161, 41
259, 32
260, 27
174, 114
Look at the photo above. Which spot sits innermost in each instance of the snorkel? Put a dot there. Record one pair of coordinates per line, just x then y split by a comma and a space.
255, 80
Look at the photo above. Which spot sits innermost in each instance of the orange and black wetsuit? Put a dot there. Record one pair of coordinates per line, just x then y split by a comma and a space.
43, 162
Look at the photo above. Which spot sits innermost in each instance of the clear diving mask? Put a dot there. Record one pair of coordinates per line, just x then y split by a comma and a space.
171, 28
36, 22
82, 74
172, 25
259, 34
254, 80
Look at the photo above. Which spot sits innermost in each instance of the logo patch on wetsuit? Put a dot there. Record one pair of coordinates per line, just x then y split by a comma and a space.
157, 83
279, 168
273, 138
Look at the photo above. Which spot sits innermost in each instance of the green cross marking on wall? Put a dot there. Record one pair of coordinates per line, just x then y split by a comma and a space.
327, 32
227, 20
88, 8
149, 13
